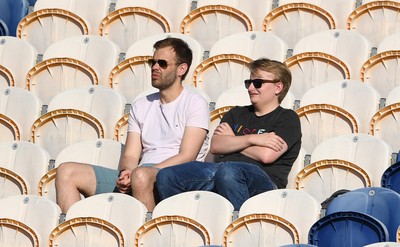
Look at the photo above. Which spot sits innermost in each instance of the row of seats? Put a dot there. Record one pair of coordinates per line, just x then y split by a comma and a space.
125, 21
91, 59
359, 217
343, 162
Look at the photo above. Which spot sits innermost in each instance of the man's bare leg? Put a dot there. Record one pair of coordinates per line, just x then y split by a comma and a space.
73, 179
142, 182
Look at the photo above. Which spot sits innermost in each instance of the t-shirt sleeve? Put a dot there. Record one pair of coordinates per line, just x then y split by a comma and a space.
133, 124
198, 114
288, 128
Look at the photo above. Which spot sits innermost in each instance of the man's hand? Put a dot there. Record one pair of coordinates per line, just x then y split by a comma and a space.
224, 129
269, 140
124, 182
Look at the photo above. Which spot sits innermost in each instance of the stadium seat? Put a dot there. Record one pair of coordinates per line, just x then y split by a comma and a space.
85, 231
375, 20
98, 52
393, 96
44, 27
370, 153
172, 230
104, 103
298, 245
11, 13
16, 233
310, 69
55, 75
383, 244
322, 178
25, 159
173, 11
209, 210
380, 203
252, 44
33, 212
123, 211
389, 43
9, 129
121, 128
6, 78
12, 184
347, 229
102, 152
381, 70
297, 166
17, 57
92, 11
60, 128
348, 46
359, 99
286, 203
340, 10
126, 25
209, 23
390, 177
144, 47
254, 9
319, 122
3, 28
384, 125
295, 20
22, 107
221, 72
131, 77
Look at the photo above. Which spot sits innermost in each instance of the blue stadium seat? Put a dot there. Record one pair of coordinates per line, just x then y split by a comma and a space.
380, 203
391, 177
11, 12
349, 229
3, 28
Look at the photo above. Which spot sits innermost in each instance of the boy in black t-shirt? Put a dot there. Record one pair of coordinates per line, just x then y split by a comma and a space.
255, 145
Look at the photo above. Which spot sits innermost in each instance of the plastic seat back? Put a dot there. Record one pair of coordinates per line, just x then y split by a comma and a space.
390, 177
380, 203
11, 12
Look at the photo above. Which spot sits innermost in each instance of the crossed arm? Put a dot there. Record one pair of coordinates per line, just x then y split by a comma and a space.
266, 147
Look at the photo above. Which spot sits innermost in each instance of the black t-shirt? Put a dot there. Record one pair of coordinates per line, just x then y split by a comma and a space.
284, 122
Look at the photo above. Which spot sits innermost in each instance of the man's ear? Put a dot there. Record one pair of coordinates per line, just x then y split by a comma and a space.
182, 68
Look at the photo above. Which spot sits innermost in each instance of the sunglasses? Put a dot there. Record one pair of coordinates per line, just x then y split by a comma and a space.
257, 83
161, 62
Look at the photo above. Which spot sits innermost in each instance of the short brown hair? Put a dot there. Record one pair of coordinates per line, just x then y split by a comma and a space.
280, 71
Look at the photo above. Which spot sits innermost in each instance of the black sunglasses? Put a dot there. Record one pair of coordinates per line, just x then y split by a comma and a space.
257, 83
161, 62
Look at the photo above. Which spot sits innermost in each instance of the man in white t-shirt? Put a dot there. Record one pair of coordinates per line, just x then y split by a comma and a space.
165, 128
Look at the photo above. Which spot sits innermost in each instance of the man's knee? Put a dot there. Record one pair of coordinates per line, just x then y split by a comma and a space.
227, 173
65, 171
141, 177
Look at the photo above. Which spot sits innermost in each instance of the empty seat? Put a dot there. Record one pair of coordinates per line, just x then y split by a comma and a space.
83, 231
322, 178
393, 96
11, 13
126, 25
103, 103
12, 184
381, 71
44, 27
17, 57
9, 129
221, 72
347, 229
359, 99
252, 44
22, 108
123, 211
209, 23
83, 8
297, 166
384, 125
390, 177
144, 47
310, 69
3, 28
368, 152
389, 43
380, 203
375, 20
320, 122
100, 53
208, 211
55, 75
283, 200
26, 160
60, 128
102, 152
340, 11
39, 214
348, 46
383, 244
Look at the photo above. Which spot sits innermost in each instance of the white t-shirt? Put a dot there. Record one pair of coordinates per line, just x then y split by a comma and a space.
162, 125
